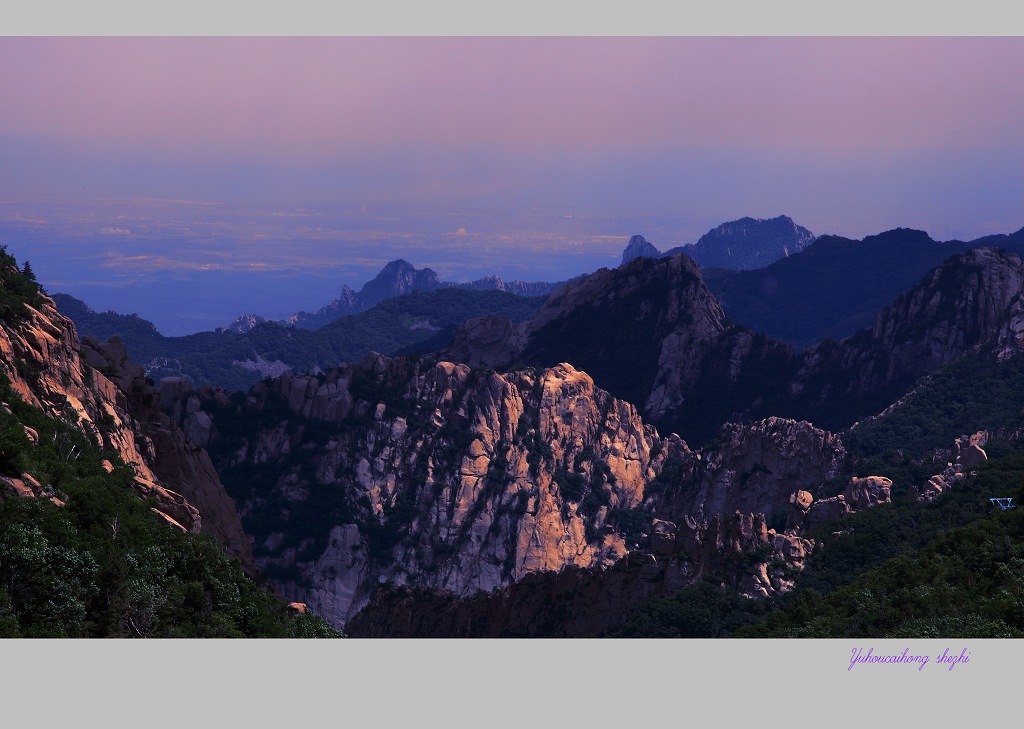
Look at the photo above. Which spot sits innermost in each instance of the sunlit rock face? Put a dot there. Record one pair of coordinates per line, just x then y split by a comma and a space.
442, 475
397, 471
96, 387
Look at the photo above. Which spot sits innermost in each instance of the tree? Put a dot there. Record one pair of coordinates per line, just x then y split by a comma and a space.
27, 271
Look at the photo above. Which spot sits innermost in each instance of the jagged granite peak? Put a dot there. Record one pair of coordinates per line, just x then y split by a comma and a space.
432, 473
970, 299
396, 278
639, 246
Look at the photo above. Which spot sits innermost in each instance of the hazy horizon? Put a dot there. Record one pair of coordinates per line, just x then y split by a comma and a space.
661, 136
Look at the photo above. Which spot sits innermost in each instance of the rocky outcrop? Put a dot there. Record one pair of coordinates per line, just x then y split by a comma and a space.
245, 323
460, 479
756, 468
966, 454
578, 602
174, 508
423, 473
860, 493
42, 359
863, 493
26, 487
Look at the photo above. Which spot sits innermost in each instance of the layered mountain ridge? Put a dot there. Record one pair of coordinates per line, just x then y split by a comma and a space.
535, 459
398, 278
652, 332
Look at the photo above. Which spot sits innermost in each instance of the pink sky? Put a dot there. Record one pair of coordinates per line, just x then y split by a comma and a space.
649, 122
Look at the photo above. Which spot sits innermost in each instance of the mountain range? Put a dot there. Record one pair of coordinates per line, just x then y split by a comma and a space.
398, 278
624, 457
237, 358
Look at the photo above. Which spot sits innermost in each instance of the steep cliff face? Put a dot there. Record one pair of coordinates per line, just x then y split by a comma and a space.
173, 458
95, 387
41, 357
433, 473
756, 468
971, 302
621, 326
580, 602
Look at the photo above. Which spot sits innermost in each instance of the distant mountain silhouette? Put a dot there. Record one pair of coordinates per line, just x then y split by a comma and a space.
398, 278
743, 244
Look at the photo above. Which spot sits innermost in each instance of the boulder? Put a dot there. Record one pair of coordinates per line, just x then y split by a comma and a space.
863, 493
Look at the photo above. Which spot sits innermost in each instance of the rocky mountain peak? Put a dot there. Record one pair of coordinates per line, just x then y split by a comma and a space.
750, 243
639, 246
743, 244
608, 324
397, 278
972, 298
